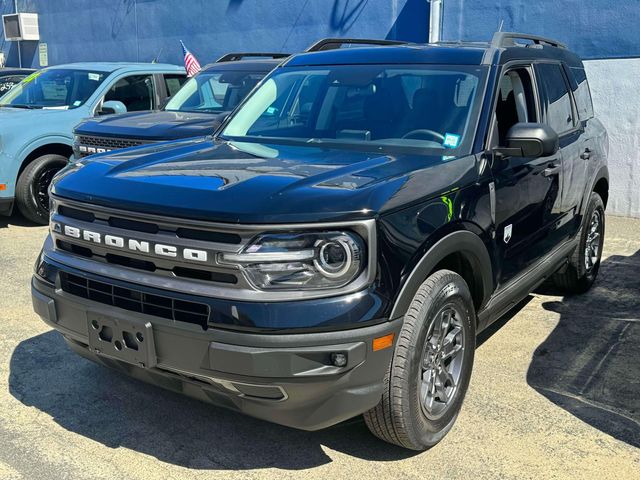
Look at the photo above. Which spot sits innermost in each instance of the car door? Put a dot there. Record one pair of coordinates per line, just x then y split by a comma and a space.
527, 190
559, 112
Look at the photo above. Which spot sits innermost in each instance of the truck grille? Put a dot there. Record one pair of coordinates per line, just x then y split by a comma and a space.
151, 233
88, 145
136, 301
171, 254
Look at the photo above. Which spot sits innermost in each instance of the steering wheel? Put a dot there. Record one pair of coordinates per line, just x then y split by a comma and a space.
424, 131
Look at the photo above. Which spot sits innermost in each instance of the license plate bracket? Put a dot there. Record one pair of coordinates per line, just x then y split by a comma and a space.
122, 339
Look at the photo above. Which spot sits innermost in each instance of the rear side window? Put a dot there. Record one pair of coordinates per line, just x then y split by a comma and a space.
173, 83
582, 94
559, 110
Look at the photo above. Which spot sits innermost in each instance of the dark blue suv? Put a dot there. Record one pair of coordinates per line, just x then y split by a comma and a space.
336, 247
195, 109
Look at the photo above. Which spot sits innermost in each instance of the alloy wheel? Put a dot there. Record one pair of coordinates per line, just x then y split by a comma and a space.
442, 360
592, 244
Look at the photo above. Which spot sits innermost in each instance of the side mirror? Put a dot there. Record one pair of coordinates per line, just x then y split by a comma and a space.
530, 140
111, 107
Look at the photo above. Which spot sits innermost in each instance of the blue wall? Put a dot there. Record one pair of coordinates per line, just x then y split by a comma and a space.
136, 30
592, 28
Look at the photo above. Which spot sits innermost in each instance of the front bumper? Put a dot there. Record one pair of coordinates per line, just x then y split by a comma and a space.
283, 378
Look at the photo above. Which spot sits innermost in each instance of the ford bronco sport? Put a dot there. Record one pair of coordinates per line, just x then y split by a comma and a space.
39, 113
335, 248
196, 109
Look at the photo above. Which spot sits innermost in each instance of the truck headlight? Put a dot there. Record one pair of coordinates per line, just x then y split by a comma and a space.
319, 260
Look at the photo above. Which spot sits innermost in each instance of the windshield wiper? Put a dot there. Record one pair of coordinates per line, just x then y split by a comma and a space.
28, 107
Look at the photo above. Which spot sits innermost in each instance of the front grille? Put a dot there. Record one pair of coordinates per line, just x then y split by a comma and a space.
88, 145
136, 301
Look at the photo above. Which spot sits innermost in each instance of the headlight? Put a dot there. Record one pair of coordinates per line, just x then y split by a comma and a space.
301, 260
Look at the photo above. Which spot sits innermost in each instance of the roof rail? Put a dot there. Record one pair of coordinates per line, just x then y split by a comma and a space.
506, 39
335, 43
233, 57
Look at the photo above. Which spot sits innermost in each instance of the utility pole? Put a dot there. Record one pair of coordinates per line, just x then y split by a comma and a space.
435, 20
15, 7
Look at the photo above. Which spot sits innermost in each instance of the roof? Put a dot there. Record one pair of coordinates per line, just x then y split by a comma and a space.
443, 53
16, 71
129, 66
261, 65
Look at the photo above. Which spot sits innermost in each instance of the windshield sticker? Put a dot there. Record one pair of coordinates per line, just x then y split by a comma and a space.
94, 76
77, 103
446, 158
451, 140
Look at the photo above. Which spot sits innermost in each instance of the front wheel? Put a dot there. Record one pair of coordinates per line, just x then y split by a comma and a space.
431, 366
32, 188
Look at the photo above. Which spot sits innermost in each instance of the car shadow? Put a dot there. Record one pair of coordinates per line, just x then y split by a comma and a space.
117, 411
16, 219
590, 363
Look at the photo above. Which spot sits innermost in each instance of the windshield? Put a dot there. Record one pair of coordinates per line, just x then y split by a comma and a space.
424, 106
214, 91
54, 88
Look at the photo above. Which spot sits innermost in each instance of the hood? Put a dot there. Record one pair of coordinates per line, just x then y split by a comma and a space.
259, 183
16, 115
153, 125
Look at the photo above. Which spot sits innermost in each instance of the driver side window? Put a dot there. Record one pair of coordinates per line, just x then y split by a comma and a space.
135, 92
515, 102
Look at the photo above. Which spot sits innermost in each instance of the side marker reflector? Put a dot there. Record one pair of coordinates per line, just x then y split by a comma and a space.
381, 343
3, 186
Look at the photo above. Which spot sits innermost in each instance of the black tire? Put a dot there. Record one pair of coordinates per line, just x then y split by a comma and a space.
582, 271
401, 417
32, 195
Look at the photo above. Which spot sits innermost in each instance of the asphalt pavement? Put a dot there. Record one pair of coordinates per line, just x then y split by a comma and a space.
555, 393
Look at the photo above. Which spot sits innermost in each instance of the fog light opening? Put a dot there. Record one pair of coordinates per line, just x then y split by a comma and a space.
339, 359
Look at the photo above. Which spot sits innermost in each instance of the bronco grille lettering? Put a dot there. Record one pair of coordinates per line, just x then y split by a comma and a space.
132, 244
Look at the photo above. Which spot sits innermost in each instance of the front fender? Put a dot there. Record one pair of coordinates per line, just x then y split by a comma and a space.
41, 141
461, 241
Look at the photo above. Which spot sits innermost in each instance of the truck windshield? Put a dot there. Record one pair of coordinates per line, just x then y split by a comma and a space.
54, 88
214, 91
423, 106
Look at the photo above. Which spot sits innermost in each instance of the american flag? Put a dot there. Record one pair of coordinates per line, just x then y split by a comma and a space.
190, 62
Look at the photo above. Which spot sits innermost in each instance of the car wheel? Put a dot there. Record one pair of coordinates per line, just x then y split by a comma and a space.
584, 264
431, 366
32, 188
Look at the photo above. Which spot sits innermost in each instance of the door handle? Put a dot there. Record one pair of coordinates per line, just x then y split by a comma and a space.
586, 155
553, 169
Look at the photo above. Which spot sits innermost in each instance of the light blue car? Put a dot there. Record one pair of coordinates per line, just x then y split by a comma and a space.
37, 117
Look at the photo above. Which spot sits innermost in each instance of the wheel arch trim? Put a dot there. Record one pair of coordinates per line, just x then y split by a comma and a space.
462, 241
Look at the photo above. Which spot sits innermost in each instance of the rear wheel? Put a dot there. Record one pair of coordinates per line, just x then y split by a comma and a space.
32, 188
431, 366
584, 264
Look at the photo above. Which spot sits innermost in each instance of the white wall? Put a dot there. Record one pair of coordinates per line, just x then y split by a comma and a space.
615, 87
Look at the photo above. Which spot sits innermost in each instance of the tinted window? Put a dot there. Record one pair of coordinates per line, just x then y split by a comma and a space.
136, 92
173, 83
582, 94
426, 107
559, 109
54, 88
